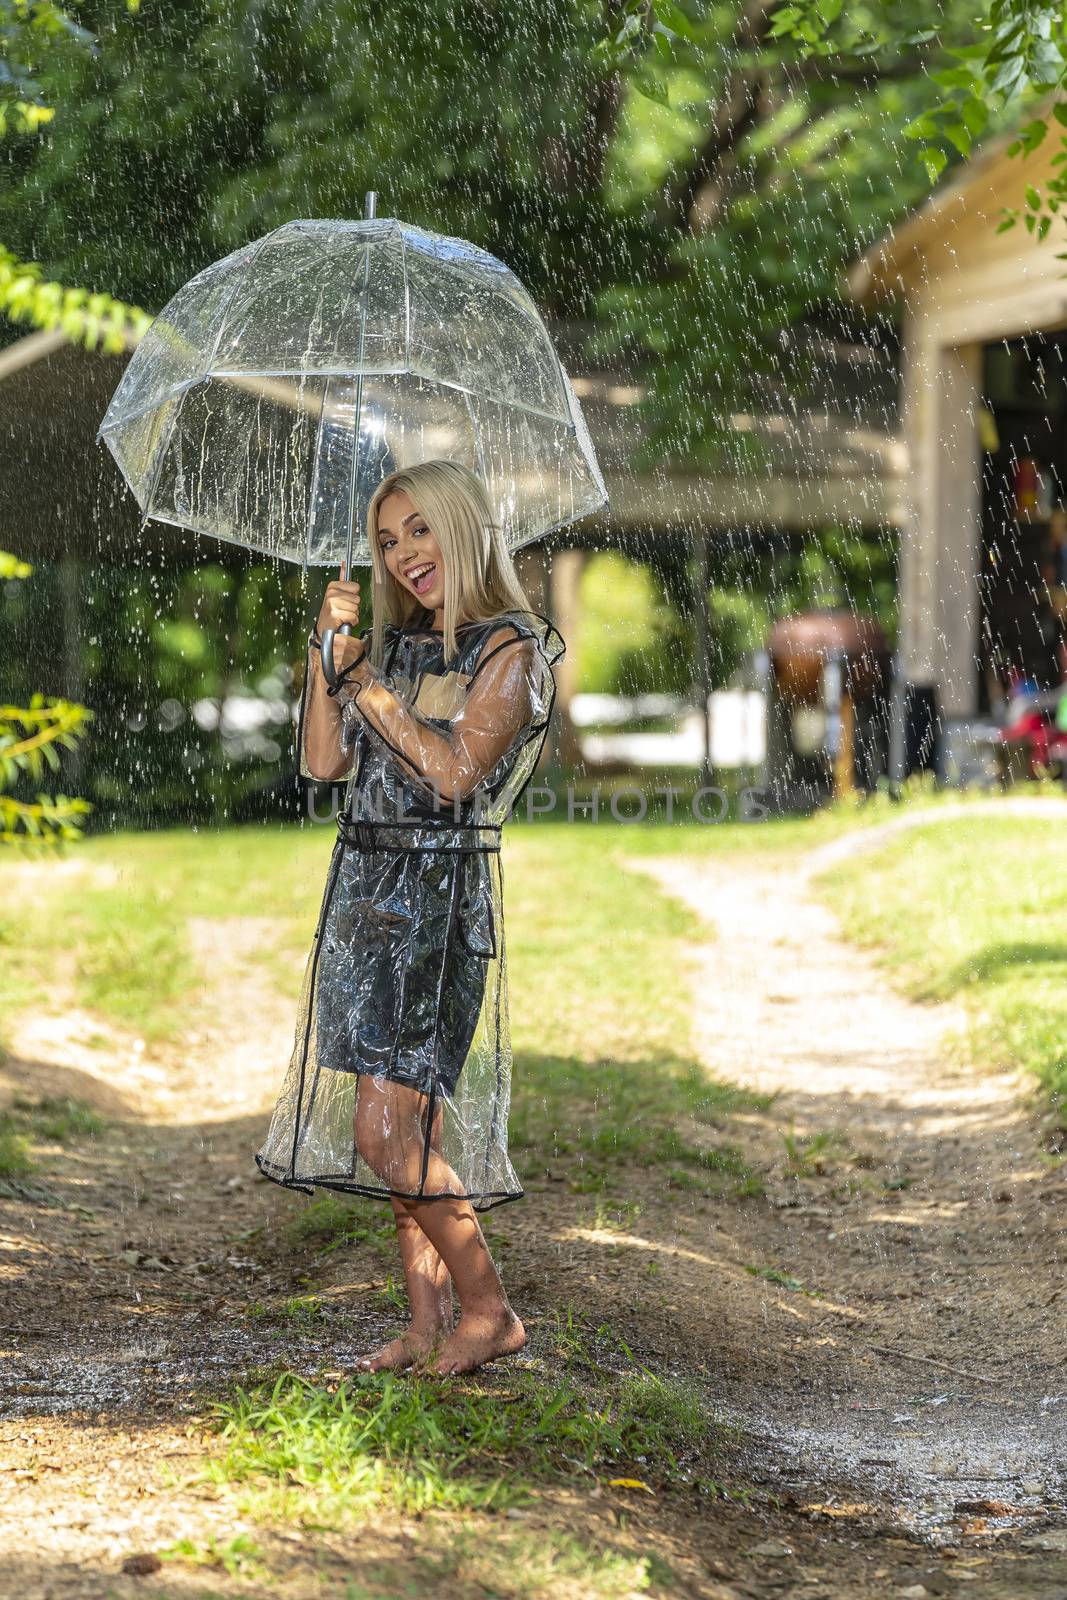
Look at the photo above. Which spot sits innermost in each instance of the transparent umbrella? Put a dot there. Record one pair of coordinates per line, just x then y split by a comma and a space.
276, 389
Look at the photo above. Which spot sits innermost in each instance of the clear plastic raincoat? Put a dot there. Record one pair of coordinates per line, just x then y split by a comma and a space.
400, 1078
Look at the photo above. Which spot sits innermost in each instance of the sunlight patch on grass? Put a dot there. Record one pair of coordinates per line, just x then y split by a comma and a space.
507, 1564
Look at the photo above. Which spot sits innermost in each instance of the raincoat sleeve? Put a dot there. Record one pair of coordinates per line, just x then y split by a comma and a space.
322, 751
508, 699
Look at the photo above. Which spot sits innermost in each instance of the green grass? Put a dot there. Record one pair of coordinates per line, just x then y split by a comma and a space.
239, 1556
973, 910
58, 1120
329, 1223
606, 1074
28, 1122
117, 929
299, 1311
15, 1157
511, 1564
588, 1413
600, 995
457, 1561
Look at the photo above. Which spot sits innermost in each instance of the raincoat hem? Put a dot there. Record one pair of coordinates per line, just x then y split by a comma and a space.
487, 1197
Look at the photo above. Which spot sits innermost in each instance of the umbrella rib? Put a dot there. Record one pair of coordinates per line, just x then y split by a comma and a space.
537, 411
476, 436
157, 465
239, 278
407, 298
340, 372
152, 405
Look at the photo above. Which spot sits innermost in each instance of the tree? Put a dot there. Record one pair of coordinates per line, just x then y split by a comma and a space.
30, 740
38, 34
32, 736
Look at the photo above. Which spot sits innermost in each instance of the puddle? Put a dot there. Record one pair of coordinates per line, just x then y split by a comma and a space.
935, 1468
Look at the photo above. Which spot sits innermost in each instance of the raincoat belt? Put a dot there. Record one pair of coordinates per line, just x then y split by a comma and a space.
417, 834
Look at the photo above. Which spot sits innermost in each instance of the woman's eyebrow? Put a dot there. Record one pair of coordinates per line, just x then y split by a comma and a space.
409, 518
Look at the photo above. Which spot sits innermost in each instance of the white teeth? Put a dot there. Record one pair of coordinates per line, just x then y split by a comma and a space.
418, 572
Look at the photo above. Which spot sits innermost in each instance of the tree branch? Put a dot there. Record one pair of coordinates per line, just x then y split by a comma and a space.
735, 115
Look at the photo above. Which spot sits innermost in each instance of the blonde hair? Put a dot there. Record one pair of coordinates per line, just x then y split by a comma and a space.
480, 576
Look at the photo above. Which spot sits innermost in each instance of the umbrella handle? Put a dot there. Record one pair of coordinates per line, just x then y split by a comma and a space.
327, 651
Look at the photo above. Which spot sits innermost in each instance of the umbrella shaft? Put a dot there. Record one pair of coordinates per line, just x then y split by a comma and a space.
370, 204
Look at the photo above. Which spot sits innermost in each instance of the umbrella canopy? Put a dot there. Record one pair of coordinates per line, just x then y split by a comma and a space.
276, 389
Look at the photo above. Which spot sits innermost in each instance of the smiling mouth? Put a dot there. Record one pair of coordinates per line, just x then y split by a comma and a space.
421, 577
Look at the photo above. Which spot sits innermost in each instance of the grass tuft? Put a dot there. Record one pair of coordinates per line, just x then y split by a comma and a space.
60, 1121
330, 1223
15, 1158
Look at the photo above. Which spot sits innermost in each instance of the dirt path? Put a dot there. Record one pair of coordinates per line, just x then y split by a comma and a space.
933, 1373
885, 1321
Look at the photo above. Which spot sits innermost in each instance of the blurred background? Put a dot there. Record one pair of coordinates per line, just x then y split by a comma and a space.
708, 243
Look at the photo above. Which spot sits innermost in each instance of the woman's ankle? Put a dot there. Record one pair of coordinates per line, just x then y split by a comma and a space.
485, 1308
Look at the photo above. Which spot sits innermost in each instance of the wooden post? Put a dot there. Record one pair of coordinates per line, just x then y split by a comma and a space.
702, 641
939, 548
844, 758
565, 576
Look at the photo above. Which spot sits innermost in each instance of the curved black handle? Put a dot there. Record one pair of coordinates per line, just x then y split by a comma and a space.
327, 651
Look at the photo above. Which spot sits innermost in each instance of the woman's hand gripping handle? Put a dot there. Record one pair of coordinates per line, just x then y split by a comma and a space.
338, 616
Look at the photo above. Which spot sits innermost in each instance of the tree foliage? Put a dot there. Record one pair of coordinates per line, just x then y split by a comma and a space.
39, 39
31, 738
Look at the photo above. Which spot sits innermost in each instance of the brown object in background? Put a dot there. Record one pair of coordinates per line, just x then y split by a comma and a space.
801, 645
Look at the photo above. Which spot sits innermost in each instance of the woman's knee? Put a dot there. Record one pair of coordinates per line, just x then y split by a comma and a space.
388, 1153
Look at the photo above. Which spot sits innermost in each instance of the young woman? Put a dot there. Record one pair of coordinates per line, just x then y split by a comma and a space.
399, 1084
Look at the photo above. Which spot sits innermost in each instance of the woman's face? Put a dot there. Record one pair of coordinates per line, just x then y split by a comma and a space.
409, 549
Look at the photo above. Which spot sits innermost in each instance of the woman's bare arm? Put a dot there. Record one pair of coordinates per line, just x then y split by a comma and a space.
323, 755
502, 700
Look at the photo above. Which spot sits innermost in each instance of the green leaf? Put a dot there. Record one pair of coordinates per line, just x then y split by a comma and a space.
922, 127
934, 160
674, 18
959, 135
1033, 197
1009, 78
652, 88
975, 113
784, 21
1031, 136
954, 78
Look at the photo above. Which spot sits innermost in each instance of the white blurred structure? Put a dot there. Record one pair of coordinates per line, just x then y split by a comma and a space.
737, 722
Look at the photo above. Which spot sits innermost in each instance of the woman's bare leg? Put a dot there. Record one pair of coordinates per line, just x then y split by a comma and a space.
390, 1135
429, 1291
487, 1326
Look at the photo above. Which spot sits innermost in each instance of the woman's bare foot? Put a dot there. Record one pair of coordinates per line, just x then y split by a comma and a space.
414, 1344
476, 1340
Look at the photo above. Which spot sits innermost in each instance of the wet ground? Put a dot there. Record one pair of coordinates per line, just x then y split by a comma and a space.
885, 1322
